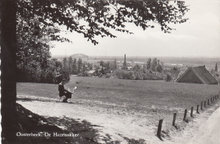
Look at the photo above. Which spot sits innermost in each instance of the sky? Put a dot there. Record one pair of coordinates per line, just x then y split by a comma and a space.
198, 37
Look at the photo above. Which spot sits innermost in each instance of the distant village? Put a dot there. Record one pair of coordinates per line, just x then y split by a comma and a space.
152, 69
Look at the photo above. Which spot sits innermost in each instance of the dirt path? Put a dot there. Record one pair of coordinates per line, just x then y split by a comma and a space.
119, 124
209, 132
204, 129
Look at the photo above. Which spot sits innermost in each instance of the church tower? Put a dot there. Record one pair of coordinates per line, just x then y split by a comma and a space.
125, 62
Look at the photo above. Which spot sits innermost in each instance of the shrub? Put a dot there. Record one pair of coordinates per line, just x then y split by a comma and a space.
168, 78
151, 76
137, 75
124, 74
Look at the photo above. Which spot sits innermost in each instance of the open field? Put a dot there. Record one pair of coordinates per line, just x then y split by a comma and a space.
139, 95
122, 107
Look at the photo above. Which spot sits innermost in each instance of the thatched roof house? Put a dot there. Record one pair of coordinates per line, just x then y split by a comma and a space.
197, 75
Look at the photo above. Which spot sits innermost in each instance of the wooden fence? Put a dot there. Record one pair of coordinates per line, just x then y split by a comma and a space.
203, 105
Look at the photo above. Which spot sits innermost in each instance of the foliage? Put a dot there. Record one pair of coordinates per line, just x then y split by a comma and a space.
38, 20
168, 78
216, 67
136, 68
136, 75
96, 18
149, 63
76, 66
33, 58
159, 68
32, 72
79, 65
154, 65
171, 73
65, 76
124, 74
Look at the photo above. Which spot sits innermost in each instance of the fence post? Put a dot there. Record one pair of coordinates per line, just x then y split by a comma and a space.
208, 102
204, 104
191, 114
201, 105
197, 109
174, 119
159, 128
185, 113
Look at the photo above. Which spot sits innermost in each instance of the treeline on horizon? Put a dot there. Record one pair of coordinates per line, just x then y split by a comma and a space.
37, 65
152, 69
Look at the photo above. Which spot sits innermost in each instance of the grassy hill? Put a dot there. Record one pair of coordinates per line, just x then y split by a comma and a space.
130, 91
143, 96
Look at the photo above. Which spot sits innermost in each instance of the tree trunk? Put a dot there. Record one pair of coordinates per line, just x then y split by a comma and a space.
8, 65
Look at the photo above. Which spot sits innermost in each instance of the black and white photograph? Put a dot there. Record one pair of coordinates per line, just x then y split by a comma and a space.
110, 71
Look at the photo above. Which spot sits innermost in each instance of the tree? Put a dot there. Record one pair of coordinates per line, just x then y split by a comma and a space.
115, 66
32, 42
102, 67
154, 64
89, 66
70, 64
79, 65
159, 67
216, 67
107, 67
65, 64
84, 68
8, 62
97, 18
137, 67
57, 64
104, 13
74, 66
168, 77
149, 63
33, 51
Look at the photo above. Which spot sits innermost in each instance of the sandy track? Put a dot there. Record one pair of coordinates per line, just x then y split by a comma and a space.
209, 132
110, 120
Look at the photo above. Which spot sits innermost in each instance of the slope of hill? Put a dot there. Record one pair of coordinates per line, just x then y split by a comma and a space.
82, 56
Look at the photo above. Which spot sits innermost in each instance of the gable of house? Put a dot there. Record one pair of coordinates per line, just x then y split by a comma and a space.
204, 75
197, 75
189, 77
